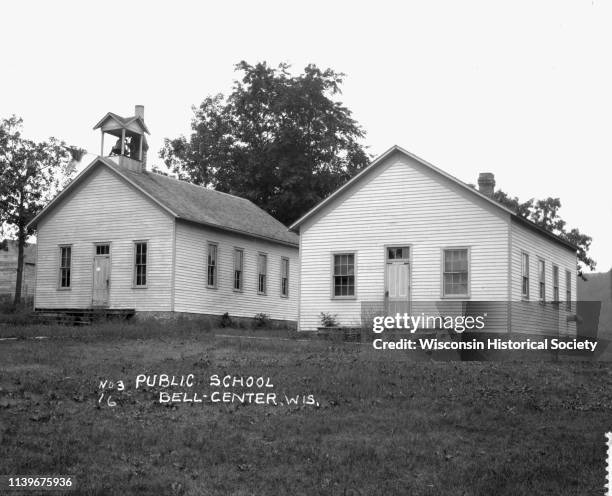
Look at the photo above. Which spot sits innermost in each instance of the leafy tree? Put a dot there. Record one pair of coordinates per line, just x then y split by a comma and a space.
281, 141
545, 213
30, 174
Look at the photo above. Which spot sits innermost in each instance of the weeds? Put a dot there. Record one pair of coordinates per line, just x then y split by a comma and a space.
382, 427
328, 319
226, 320
261, 320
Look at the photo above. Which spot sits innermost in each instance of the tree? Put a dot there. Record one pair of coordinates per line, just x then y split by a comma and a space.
30, 174
545, 213
281, 141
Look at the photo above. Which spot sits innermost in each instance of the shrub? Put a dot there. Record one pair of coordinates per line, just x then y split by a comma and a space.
226, 320
328, 319
261, 320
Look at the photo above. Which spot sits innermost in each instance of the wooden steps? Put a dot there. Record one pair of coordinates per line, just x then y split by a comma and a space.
81, 316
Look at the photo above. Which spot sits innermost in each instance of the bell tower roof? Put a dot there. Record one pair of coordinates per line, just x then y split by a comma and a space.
113, 122
130, 149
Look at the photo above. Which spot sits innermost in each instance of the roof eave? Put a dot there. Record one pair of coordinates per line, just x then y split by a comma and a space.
109, 115
378, 160
294, 227
552, 236
395, 148
62, 194
78, 179
115, 168
239, 231
129, 120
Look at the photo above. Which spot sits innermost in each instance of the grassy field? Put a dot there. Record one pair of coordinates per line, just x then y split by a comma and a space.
384, 424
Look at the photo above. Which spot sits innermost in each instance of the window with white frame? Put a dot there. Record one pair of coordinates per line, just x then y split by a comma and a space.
284, 289
455, 272
211, 266
343, 276
541, 280
568, 290
262, 270
238, 269
140, 264
525, 275
398, 253
555, 275
103, 249
64, 266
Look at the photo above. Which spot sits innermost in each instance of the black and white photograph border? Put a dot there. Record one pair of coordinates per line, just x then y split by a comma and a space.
334, 248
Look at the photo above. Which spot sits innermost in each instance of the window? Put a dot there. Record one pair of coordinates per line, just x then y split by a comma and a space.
140, 264
284, 289
568, 290
238, 263
525, 275
64, 268
555, 274
402, 253
455, 272
103, 249
541, 280
211, 263
262, 268
343, 279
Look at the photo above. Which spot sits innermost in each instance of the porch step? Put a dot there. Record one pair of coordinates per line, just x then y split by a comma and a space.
81, 316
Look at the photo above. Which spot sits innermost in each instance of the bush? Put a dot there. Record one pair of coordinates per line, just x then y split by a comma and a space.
328, 319
261, 320
226, 320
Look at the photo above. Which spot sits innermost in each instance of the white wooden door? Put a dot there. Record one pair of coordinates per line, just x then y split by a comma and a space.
397, 280
101, 280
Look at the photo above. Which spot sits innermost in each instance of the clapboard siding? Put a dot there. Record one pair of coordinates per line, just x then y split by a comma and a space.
193, 295
401, 202
104, 208
531, 317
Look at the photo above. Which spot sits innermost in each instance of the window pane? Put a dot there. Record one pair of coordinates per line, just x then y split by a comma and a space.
261, 271
455, 276
64, 266
140, 263
284, 277
212, 265
238, 259
568, 289
344, 275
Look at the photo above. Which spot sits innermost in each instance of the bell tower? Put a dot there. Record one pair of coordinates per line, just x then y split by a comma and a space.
129, 150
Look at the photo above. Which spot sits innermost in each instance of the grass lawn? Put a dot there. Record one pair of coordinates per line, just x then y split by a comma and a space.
384, 424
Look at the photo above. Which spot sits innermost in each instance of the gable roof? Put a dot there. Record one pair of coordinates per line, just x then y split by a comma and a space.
397, 149
192, 203
122, 121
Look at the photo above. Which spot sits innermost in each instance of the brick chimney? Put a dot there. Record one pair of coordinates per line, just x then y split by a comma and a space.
486, 183
139, 111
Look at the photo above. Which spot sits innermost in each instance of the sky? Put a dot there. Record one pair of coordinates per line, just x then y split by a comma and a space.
521, 89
